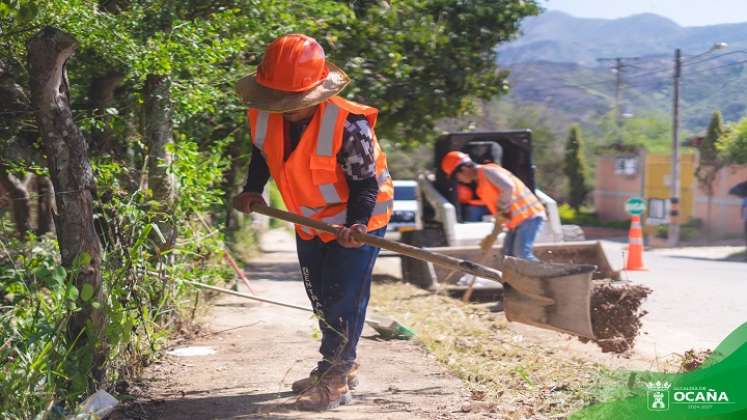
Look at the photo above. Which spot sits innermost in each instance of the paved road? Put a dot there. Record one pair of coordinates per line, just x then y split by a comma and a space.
698, 298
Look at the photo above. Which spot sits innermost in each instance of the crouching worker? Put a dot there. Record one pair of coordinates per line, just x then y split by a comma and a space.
506, 197
323, 154
473, 209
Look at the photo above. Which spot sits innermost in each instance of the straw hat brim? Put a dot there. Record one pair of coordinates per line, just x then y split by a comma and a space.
263, 98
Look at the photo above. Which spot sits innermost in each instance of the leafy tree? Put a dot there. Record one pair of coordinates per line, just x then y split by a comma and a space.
575, 168
421, 61
734, 144
505, 115
652, 133
151, 88
711, 160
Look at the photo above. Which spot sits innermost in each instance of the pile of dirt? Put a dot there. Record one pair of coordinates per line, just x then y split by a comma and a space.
616, 316
693, 359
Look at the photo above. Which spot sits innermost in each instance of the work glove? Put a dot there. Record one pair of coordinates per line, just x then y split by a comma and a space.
488, 241
345, 235
244, 201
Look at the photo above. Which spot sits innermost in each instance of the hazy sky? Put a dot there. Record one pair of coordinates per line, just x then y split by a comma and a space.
684, 12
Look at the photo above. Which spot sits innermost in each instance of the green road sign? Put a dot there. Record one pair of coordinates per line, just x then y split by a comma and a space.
635, 206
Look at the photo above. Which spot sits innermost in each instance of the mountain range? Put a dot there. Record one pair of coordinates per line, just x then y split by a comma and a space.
558, 62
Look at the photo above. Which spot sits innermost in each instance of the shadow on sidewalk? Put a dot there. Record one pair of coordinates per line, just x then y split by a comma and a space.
274, 271
215, 407
735, 258
270, 405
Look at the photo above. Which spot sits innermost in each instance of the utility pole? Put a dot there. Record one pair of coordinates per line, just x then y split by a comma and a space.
674, 210
619, 67
618, 90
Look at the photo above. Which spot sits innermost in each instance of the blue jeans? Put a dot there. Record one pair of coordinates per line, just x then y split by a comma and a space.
474, 213
338, 284
520, 240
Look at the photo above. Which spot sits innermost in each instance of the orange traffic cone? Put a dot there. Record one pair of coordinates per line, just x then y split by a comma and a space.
635, 246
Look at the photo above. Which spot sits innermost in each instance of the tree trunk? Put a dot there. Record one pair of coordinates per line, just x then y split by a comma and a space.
157, 134
19, 201
237, 153
45, 205
101, 95
72, 177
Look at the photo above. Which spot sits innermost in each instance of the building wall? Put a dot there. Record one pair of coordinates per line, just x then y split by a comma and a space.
658, 181
726, 217
612, 189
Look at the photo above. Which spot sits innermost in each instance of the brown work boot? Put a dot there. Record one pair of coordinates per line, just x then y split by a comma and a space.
330, 391
302, 385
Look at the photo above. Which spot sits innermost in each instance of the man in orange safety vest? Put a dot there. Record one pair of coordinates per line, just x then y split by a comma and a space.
324, 156
506, 197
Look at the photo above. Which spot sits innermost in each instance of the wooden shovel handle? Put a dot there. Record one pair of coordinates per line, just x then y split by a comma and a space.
400, 248
487, 248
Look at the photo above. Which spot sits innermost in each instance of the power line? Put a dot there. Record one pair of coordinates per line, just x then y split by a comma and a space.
714, 57
705, 70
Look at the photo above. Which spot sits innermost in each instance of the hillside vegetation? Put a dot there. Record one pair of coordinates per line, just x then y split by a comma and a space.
554, 64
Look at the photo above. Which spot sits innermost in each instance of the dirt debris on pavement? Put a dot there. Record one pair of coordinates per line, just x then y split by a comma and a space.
616, 315
508, 374
693, 359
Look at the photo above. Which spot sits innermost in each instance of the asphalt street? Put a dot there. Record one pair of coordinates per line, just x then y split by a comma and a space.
698, 297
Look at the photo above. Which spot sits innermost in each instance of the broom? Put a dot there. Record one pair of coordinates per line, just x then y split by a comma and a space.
386, 327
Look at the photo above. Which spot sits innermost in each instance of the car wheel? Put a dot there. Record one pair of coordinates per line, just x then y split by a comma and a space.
417, 272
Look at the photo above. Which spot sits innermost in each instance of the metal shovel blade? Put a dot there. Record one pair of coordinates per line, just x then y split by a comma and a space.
548, 295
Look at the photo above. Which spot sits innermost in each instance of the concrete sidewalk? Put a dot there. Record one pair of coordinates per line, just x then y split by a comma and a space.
257, 350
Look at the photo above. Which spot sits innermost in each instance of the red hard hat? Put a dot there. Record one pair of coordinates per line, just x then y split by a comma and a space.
293, 63
452, 160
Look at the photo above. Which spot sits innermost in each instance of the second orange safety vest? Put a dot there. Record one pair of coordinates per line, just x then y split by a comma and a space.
465, 195
311, 181
524, 204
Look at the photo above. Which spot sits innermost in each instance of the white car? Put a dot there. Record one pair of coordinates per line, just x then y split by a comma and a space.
405, 206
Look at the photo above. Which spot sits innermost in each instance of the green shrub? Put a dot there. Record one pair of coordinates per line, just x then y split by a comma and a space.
43, 372
570, 216
276, 200
690, 230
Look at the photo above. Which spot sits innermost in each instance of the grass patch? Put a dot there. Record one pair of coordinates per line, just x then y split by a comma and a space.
586, 217
522, 379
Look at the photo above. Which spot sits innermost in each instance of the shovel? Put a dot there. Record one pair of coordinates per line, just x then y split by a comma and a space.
545, 295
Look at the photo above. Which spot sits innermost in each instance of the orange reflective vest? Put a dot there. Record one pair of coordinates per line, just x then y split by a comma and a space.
311, 181
524, 204
465, 195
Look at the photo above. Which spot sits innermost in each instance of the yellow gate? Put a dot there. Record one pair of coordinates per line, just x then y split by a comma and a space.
656, 186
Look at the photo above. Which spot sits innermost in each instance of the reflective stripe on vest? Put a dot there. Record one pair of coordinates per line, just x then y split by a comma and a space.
316, 188
383, 177
327, 130
308, 212
261, 131
323, 144
531, 201
381, 207
329, 193
524, 204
